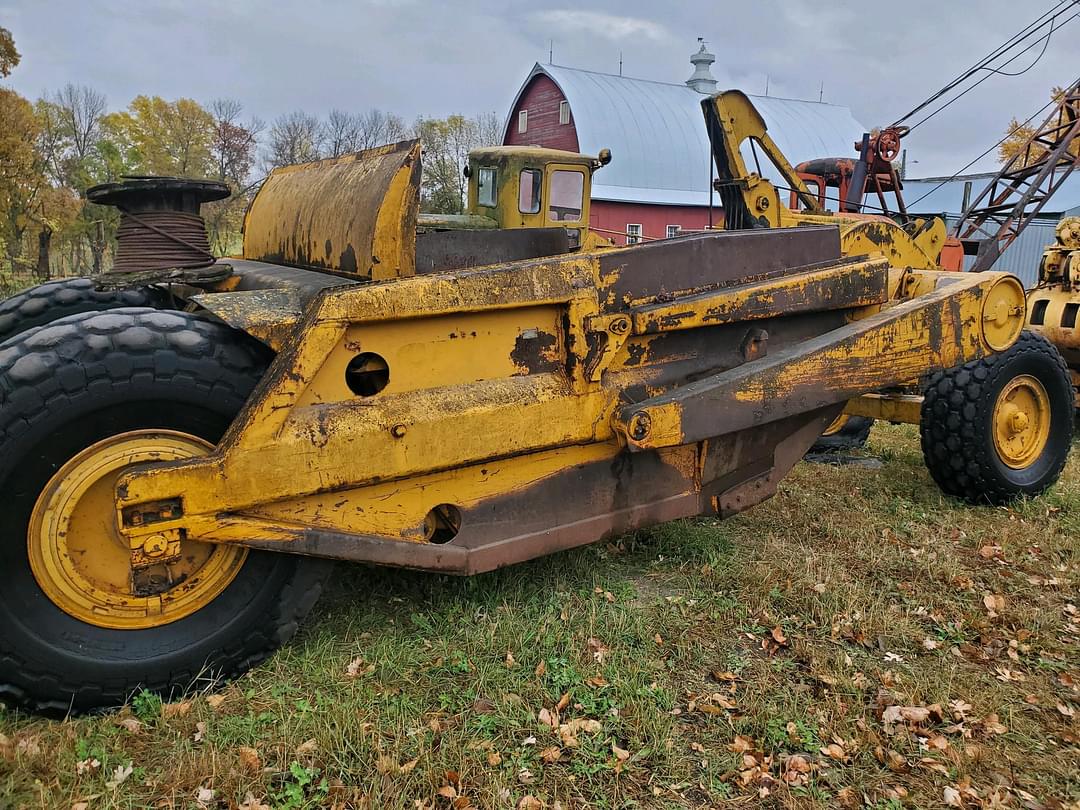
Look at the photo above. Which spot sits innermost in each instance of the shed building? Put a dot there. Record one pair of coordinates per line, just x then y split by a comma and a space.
947, 197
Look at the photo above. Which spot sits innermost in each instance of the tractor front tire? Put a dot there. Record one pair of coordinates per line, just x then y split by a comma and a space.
80, 400
1000, 427
54, 300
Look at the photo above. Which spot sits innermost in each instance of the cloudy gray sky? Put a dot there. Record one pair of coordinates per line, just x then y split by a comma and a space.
416, 57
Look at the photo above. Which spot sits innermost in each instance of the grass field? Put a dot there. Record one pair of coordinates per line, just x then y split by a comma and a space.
859, 640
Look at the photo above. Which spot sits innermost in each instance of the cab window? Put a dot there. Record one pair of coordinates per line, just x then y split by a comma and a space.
566, 196
485, 186
529, 191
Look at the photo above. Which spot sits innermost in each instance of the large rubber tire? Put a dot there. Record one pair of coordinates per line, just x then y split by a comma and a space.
957, 431
54, 300
851, 436
66, 386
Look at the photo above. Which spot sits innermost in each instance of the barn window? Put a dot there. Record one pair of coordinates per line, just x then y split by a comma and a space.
673, 231
485, 186
529, 191
566, 196
523, 121
633, 233
564, 112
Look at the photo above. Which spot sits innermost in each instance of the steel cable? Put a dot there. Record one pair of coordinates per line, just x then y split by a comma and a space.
161, 240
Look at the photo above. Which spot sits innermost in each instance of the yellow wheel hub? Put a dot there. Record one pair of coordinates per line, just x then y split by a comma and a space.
83, 563
1021, 422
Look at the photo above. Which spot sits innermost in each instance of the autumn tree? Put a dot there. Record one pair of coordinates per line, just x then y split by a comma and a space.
1018, 134
9, 57
378, 128
21, 176
232, 150
295, 137
446, 143
165, 137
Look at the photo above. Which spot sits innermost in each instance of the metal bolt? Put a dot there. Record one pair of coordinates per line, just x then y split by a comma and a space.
620, 326
155, 545
639, 427
397, 431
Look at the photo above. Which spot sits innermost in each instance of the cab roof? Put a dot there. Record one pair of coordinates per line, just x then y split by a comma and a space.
531, 153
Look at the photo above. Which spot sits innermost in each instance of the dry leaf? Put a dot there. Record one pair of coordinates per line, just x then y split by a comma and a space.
564, 701
251, 803
358, 667
551, 754
545, 717
525, 776
847, 798
741, 744
658, 639
132, 724
541, 668
447, 792
180, 709
204, 796
952, 797
249, 759
529, 803
306, 747
119, 776
215, 701
80, 806
834, 751
992, 726
1067, 711
510, 662
621, 754
568, 731
200, 731
494, 758
778, 636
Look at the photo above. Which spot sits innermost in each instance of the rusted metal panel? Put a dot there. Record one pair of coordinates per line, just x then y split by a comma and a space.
711, 260
843, 285
438, 251
354, 214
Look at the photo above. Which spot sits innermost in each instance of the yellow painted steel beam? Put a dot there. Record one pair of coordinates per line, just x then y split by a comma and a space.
939, 330
887, 407
839, 286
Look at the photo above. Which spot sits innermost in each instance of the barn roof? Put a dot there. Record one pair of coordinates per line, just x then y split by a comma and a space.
656, 133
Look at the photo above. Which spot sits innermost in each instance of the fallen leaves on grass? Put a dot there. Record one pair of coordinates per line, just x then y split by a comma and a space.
132, 724
173, 710
249, 759
568, 732
119, 776
357, 668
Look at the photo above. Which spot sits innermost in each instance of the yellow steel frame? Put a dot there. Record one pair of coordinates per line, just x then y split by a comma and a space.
467, 416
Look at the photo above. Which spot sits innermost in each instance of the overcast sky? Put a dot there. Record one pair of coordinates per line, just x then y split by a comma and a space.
416, 57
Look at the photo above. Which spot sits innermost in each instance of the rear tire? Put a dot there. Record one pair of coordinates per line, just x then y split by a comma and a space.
958, 422
67, 386
54, 300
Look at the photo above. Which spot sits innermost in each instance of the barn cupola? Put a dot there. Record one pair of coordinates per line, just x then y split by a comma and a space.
702, 80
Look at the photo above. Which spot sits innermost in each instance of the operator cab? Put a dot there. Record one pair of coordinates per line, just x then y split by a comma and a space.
532, 187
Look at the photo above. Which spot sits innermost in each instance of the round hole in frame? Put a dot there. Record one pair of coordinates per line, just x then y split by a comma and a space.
367, 374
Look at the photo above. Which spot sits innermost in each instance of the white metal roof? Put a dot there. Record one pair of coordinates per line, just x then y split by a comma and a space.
656, 133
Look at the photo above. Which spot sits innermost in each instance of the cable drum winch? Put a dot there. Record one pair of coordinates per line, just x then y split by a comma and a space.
161, 235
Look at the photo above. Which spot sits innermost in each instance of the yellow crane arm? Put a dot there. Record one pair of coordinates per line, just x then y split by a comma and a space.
748, 199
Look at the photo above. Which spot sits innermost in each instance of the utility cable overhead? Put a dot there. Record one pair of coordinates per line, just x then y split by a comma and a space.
1048, 18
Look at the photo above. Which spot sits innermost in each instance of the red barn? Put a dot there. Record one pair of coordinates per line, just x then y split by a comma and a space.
659, 179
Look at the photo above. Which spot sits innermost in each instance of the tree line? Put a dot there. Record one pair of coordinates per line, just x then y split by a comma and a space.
54, 148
